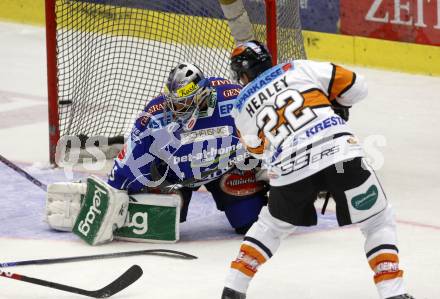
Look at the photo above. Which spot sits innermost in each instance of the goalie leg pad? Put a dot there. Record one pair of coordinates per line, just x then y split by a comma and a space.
103, 210
63, 203
152, 218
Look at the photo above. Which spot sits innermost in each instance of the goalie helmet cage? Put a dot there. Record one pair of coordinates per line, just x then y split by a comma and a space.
107, 58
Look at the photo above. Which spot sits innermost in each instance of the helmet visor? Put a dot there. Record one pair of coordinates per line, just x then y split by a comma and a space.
186, 99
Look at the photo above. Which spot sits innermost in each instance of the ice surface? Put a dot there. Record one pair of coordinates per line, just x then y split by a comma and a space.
398, 124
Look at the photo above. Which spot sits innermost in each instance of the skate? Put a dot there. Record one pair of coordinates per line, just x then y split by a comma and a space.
231, 294
404, 296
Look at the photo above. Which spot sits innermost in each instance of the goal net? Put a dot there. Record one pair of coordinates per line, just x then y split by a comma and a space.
108, 58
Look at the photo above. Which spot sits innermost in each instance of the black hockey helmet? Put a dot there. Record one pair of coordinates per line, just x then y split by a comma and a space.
250, 58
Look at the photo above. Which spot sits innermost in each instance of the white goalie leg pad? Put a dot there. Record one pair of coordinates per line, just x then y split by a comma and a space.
63, 202
104, 209
152, 218
238, 20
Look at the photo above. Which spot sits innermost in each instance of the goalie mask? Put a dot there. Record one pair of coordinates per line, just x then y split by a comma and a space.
186, 91
251, 59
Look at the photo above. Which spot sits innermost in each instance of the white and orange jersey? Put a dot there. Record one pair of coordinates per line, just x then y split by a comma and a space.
284, 117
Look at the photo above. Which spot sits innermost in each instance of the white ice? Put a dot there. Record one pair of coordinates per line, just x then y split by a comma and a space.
397, 123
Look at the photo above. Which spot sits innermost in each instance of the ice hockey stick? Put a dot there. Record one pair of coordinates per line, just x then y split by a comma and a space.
168, 187
160, 252
23, 173
123, 281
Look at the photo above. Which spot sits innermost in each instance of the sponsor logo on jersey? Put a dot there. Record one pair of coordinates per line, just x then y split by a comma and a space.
365, 200
215, 83
225, 107
326, 123
306, 159
155, 121
205, 134
263, 80
147, 114
135, 132
233, 92
208, 156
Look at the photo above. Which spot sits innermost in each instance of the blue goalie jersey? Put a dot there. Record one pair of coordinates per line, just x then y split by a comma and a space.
158, 149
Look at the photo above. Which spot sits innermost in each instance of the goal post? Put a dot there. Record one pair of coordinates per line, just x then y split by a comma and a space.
52, 79
271, 29
107, 58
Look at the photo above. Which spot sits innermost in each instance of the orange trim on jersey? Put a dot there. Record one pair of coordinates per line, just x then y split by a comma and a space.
342, 79
384, 257
259, 149
315, 97
312, 98
254, 150
388, 276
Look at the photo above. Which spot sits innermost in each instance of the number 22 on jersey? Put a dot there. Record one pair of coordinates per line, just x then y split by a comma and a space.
285, 117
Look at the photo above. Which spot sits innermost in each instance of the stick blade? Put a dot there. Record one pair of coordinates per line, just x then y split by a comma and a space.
123, 281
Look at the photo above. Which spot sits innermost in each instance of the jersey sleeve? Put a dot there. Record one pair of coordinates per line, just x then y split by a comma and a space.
341, 85
133, 166
255, 144
228, 92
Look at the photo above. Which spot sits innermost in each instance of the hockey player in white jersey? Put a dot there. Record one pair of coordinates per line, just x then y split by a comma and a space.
293, 117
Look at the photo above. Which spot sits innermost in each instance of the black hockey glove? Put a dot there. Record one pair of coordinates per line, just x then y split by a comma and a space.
341, 110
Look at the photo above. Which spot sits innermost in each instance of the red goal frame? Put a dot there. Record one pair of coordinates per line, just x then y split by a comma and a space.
52, 79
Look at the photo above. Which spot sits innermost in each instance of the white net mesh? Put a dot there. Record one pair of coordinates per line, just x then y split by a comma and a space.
114, 55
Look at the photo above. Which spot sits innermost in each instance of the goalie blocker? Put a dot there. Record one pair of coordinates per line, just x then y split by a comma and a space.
97, 213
